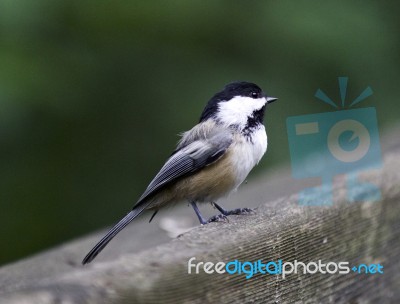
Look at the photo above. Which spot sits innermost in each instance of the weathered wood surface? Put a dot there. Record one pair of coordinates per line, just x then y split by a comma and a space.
133, 269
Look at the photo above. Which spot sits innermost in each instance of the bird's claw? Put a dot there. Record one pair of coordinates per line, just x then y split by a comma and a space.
218, 218
240, 211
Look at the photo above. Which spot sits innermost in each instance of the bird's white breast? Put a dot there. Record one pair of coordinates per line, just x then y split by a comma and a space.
247, 152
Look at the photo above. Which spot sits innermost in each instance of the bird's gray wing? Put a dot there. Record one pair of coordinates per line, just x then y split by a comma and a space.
188, 160
193, 155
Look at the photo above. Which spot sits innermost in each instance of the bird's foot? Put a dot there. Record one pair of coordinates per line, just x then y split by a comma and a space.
239, 211
222, 217
217, 218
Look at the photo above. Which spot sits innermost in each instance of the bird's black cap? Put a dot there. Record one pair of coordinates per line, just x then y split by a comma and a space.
240, 88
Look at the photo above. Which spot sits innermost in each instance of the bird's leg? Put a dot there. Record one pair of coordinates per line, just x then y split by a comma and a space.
203, 221
238, 211
196, 209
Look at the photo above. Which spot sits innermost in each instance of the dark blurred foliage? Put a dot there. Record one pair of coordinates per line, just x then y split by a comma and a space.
93, 93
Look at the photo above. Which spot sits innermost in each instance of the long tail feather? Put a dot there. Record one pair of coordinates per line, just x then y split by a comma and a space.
112, 233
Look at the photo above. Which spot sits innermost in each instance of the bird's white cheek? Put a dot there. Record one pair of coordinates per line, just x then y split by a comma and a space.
238, 109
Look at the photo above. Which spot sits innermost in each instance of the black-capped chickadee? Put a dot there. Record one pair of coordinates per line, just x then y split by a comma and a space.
211, 160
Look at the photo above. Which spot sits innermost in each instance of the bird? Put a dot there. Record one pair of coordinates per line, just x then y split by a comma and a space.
210, 161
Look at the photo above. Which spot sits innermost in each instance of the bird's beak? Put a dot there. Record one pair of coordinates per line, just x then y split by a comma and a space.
271, 99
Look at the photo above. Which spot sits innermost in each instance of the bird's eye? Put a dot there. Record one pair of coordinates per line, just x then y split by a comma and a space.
254, 94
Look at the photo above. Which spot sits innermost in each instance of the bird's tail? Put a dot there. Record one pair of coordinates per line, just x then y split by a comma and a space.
112, 233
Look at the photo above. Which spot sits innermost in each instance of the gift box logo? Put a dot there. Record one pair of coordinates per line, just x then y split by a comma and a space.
341, 142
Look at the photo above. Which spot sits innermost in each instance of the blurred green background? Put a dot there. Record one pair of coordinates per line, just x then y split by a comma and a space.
93, 93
